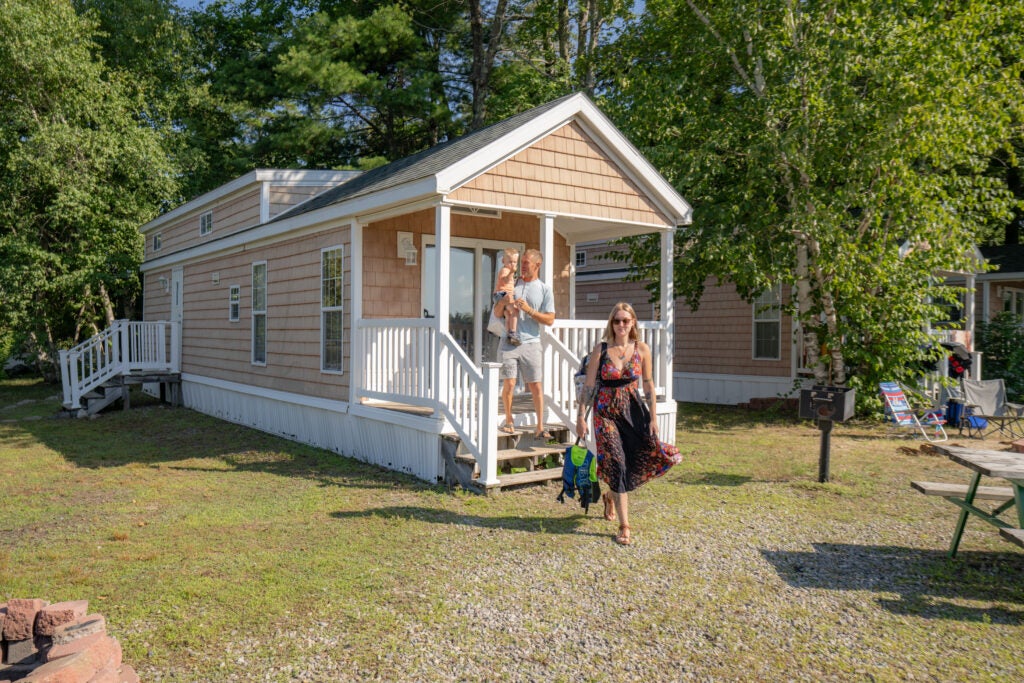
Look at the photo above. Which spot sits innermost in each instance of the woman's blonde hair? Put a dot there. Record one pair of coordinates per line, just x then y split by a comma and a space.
609, 331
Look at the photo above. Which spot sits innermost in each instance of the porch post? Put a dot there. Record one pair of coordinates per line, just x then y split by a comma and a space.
357, 360
489, 425
668, 311
547, 247
443, 240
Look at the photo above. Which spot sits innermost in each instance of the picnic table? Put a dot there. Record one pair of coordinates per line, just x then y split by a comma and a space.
983, 463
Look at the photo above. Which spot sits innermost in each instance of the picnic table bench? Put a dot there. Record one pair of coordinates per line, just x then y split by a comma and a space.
997, 464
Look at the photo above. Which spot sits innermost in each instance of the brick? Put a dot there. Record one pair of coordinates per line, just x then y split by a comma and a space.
84, 626
71, 647
21, 617
21, 651
3, 618
52, 616
80, 666
1017, 446
74, 669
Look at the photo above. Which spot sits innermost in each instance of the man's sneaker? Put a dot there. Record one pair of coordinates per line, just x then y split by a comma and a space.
514, 340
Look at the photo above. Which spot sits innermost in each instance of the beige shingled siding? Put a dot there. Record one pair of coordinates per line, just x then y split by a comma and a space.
566, 173
284, 197
718, 337
392, 289
217, 348
156, 303
231, 215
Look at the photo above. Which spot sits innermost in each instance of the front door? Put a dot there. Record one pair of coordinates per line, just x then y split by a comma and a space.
473, 270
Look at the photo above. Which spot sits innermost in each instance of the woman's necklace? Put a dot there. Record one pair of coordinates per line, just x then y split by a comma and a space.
620, 351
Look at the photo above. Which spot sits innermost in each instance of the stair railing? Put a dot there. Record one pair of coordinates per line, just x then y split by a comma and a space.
126, 346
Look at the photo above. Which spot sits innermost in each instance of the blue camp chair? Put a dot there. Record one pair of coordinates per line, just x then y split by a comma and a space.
902, 416
981, 408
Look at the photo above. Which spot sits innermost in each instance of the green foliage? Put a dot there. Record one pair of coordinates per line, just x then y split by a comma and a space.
1002, 341
79, 172
847, 131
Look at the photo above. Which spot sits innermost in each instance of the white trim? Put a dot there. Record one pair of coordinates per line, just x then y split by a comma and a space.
206, 226
579, 108
777, 307
340, 309
356, 303
340, 407
723, 389
264, 202
253, 312
237, 305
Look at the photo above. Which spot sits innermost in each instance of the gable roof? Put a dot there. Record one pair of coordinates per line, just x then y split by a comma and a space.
1008, 257
443, 168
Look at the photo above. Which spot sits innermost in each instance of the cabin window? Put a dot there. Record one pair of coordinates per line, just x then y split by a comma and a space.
234, 297
206, 223
768, 325
259, 313
157, 242
331, 300
581, 259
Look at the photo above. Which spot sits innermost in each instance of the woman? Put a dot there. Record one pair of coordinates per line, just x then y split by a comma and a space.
628, 450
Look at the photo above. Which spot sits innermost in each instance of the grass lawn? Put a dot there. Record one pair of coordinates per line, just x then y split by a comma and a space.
221, 553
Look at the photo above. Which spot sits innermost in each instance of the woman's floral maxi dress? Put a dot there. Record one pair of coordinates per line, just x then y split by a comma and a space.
628, 454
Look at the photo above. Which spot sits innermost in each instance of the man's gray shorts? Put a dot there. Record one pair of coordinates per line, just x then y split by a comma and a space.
524, 361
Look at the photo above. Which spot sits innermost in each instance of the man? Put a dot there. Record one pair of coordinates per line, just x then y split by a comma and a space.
536, 305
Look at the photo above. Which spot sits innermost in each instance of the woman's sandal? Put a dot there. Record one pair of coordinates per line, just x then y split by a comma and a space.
507, 429
609, 507
544, 435
623, 537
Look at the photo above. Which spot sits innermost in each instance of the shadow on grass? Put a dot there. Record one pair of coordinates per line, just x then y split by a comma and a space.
160, 436
569, 524
713, 479
928, 582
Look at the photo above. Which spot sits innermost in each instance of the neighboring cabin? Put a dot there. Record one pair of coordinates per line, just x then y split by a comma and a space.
349, 310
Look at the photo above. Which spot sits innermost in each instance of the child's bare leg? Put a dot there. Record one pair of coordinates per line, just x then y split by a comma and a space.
511, 315
500, 310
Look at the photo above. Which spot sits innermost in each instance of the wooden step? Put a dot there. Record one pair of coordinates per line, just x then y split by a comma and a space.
934, 488
523, 478
1013, 536
510, 455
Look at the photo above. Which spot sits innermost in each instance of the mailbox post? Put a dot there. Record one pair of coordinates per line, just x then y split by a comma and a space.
827, 405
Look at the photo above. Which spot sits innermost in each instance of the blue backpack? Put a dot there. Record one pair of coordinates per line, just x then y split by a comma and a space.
579, 475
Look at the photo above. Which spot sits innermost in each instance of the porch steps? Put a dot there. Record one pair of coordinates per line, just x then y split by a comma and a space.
118, 387
541, 460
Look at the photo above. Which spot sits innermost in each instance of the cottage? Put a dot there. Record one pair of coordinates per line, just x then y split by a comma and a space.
349, 311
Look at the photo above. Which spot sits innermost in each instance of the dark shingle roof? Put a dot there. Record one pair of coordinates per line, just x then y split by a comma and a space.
1009, 257
420, 165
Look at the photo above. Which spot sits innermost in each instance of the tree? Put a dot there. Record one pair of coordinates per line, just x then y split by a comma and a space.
814, 139
79, 172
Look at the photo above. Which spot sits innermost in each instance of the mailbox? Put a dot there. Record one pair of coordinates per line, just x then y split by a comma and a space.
823, 403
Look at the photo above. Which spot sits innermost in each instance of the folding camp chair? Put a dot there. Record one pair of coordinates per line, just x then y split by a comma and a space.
985, 409
897, 409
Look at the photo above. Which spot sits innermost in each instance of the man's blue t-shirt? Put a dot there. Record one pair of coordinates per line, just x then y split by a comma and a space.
538, 295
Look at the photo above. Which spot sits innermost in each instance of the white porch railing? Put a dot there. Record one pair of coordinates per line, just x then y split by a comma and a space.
405, 361
579, 337
124, 347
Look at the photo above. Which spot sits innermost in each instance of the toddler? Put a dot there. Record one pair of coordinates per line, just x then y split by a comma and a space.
504, 294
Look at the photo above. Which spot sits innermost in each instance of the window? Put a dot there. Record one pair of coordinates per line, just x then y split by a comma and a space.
768, 325
259, 313
331, 300
1013, 301
234, 297
206, 223
157, 242
581, 259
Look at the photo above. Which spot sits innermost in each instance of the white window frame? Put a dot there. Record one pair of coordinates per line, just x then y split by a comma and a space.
234, 302
157, 242
767, 310
332, 308
259, 313
581, 259
1013, 301
205, 223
